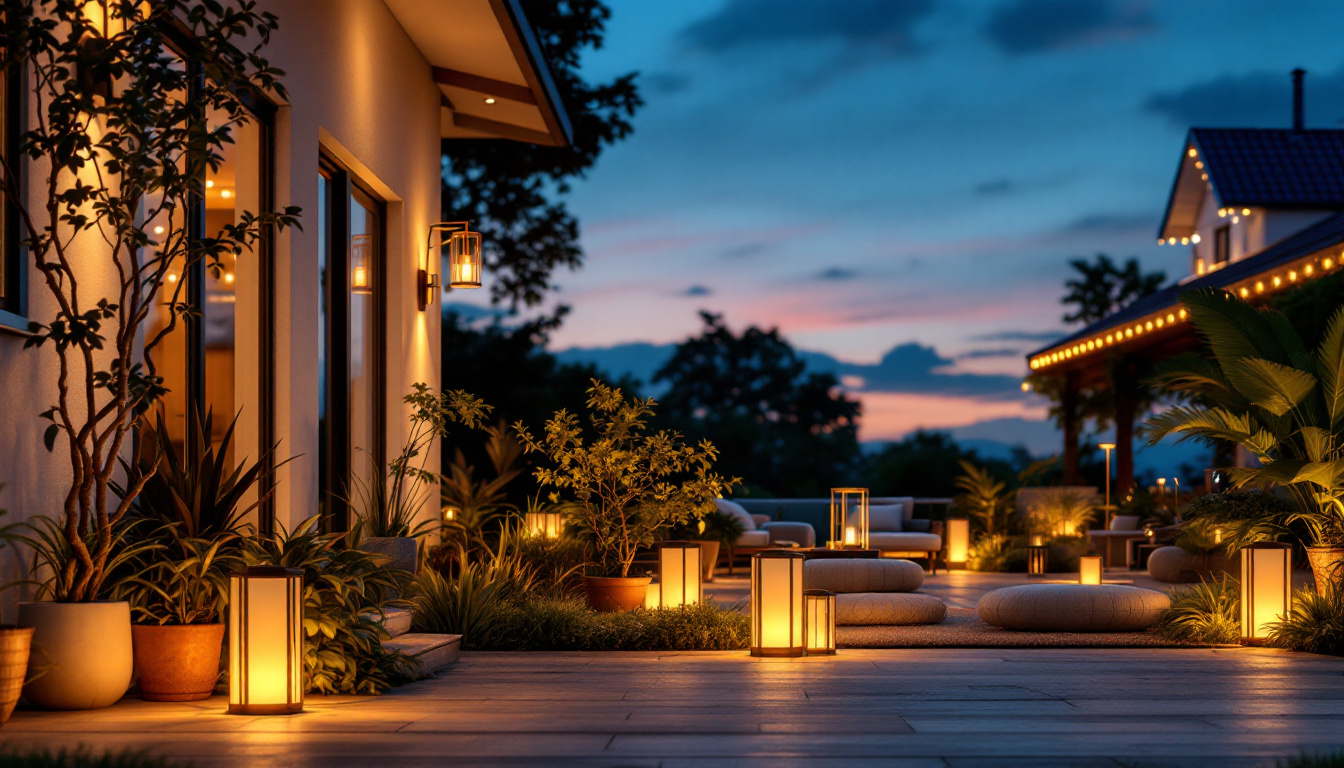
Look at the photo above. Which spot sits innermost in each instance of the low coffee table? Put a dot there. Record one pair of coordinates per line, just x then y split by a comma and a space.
822, 553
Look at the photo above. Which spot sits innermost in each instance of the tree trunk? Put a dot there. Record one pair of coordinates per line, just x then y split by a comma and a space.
1069, 421
1124, 431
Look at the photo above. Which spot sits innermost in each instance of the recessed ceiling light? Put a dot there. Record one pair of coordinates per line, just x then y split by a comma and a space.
489, 99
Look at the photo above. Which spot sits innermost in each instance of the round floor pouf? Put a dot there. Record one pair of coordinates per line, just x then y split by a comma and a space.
846, 575
859, 609
1072, 608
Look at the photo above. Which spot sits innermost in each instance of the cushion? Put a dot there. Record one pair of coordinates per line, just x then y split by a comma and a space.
886, 517
733, 508
917, 526
845, 575
760, 520
753, 539
868, 608
905, 542
1073, 607
1176, 566
791, 531
1125, 523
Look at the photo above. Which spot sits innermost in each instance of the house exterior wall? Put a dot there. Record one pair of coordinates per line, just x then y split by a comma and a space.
1248, 234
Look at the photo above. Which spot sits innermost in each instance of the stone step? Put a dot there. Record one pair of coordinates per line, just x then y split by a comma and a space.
397, 621
434, 652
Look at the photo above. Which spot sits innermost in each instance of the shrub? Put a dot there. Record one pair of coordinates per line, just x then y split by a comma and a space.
989, 553
1207, 612
1316, 624
469, 605
1244, 517
82, 758
1059, 513
546, 624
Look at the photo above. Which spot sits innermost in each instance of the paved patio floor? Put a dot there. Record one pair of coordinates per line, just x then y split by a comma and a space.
900, 708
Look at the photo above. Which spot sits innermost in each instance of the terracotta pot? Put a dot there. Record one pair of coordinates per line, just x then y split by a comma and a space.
1327, 565
609, 594
177, 662
15, 643
81, 655
709, 555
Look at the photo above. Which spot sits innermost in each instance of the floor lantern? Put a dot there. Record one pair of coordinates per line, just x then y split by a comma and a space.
1089, 569
1037, 558
819, 608
1266, 588
958, 542
679, 574
547, 525
266, 641
777, 604
849, 518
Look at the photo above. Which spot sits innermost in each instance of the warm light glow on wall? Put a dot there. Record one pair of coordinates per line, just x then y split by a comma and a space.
819, 607
547, 525
777, 613
679, 573
1089, 569
958, 542
849, 518
1266, 588
266, 641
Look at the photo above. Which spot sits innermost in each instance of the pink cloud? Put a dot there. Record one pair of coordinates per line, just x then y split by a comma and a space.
891, 416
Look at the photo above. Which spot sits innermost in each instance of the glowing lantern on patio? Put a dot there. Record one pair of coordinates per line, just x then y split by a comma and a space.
547, 525
679, 574
819, 606
777, 604
1089, 569
958, 542
1266, 588
849, 518
1037, 558
266, 641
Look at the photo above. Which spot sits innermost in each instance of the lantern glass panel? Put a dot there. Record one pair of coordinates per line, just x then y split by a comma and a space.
1266, 588
679, 574
1089, 569
849, 518
464, 260
777, 604
547, 525
819, 605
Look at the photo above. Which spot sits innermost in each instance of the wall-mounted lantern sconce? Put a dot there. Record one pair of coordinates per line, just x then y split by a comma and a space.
266, 641
1089, 569
958, 542
849, 518
819, 607
777, 604
361, 268
679, 573
1266, 588
464, 259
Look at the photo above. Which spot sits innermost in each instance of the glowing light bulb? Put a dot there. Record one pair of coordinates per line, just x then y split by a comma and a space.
1191, 151
1183, 314
1171, 318
1328, 263
1307, 270
1194, 238
1245, 292
228, 278
158, 230
489, 99
1245, 211
172, 278
1277, 281
1025, 386
226, 193
209, 183
1292, 275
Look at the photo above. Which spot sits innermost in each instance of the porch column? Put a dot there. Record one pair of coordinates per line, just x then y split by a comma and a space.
1068, 415
1125, 382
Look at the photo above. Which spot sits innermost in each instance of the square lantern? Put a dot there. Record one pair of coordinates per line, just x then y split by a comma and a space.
777, 611
1089, 569
464, 259
547, 525
266, 641
849, 518
1266, 588
361, 264
958, 542
1038, 558
819, 608
679, 574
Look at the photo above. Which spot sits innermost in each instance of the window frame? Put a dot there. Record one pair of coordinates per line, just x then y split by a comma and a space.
1222, 245
13, 256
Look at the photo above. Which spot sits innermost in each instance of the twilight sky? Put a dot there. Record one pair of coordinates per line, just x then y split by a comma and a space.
899, 183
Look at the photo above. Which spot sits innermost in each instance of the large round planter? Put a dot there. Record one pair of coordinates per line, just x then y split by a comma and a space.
177, 662
609, 594
1327, 565
401, 551
81, 657
14, 645
709, 555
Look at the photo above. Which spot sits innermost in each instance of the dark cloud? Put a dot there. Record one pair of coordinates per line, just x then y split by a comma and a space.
1021, 336
994, 187
1105, 223
976, 354
1252, 100
886, 25
1031, 26
666, 83
696, 290
837, 273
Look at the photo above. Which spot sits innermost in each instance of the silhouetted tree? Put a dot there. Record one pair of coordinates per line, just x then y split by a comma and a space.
1101, 288
512, 191
778, 426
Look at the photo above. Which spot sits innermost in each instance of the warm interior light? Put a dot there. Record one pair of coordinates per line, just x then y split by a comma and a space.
1182, 314
819, 609
777, 613
1199, 164
1037, 540
679, 572
1026, 386
958, 542
266, 641
1266, 588
849, 518
1089, 569
1292, 275
546, 525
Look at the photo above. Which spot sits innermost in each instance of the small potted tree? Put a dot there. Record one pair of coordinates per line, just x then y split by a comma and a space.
628, 483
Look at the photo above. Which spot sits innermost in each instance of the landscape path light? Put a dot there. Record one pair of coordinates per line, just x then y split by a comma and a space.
958, 542
266, 641
679, 573
1089, 569
1266, 588
777, 610
819, 607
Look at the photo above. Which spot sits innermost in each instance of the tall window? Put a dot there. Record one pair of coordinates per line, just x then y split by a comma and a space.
1222, 244
350, 412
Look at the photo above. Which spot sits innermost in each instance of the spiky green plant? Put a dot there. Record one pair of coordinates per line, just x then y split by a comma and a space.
982, 496
1060, 512
1316, 624
989, 553
54, 575
1207, 612
186, 581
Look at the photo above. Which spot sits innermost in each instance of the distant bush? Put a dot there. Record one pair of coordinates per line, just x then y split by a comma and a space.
990, 553
1207, 612
549, 624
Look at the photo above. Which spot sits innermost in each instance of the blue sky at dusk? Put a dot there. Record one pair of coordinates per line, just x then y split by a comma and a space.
898, 184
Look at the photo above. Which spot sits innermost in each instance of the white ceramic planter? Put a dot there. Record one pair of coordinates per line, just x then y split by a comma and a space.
85, 649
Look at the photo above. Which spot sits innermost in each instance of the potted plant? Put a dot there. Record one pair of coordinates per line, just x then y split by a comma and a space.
712, 532
15, 644
388, 505
628, 483
1265, 391
123, 159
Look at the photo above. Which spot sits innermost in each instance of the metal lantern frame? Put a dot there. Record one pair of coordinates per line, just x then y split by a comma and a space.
361, 264
266, 641
1266, 588
819, 610
841, 501
1090, 570
958, 531
464, 260
680, 574
547, 525
777, 608
1038, 559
